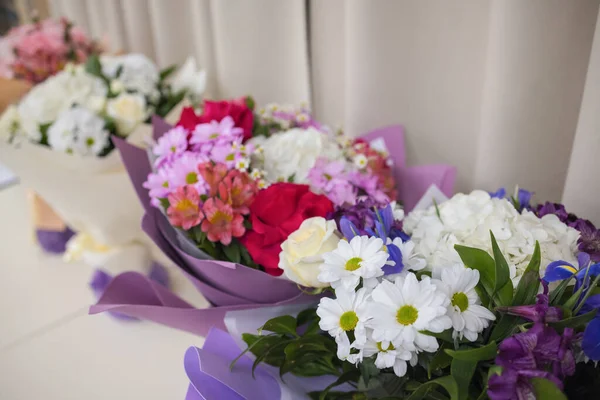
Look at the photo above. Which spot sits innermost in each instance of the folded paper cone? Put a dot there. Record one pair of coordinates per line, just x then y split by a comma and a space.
11, 90
42, 215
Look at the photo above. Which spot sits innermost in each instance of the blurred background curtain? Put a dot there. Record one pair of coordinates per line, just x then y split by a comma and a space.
506, 90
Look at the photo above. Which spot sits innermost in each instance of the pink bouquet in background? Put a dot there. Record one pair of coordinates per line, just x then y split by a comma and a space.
35, 51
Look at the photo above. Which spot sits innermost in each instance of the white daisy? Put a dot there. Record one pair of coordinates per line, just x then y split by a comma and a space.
404, 308
364, 257
388, 356
348, 312
360, 161
469, 318
411, 260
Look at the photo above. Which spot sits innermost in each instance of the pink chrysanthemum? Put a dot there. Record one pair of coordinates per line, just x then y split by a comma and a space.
184, 171
216, 132
331, 179
184, 208
221, 223
170, 145
158, 185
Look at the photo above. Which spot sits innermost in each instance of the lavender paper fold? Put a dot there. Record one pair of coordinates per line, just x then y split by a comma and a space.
414, 181
211, 378
137, 296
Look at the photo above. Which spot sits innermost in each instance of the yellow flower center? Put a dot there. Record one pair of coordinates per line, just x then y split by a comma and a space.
221, 218
191, 178
213, 135
230, 157
353, 264
165, 184
173, 149
185, 205
348, 320
407, 315
327, 176
461, 301
89, 142
380, 348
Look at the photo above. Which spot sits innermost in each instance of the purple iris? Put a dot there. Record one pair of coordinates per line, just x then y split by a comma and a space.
540, 352
384, 227
589, 240
521, 201
561, 270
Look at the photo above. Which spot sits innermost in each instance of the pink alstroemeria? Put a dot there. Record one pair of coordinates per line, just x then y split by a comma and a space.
221, 223
184, 208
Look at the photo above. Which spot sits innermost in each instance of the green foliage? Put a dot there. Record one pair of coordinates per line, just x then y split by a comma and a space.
486, 352
529, 284
546, 390
167, 72
446, 382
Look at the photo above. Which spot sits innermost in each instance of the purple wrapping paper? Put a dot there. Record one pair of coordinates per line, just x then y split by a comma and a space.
210, 377
226, 285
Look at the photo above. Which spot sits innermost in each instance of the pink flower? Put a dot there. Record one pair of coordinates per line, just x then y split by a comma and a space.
331, 179
221, 223
184, 171
158, 185
216, 132
170, 145
184, 208
369, 183
238, 190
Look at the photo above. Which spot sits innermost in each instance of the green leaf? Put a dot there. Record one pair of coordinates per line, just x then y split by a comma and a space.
256, 345
529, 284
350, 376
93, 66
446, 335
462, 371
447, 382
232, 252
440, 360
557, 293
250, 102
546, 390
368, 370
481, 261
504, 327
486, 352
586, 295
502, 271
505, 295
285, 324
574, 322
165, 73
164, 202
306, 316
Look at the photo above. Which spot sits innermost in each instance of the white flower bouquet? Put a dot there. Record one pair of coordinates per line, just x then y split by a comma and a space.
58, 141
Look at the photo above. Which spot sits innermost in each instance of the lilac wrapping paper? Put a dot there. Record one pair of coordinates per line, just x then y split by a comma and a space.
226, 285
54, 242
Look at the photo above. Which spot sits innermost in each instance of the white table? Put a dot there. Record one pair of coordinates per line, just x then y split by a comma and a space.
51, 349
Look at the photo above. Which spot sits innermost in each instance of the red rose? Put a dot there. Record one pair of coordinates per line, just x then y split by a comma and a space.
217, 110
277, 212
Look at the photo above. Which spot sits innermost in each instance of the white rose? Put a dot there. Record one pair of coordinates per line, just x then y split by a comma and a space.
128, 110
302, 252
294, 152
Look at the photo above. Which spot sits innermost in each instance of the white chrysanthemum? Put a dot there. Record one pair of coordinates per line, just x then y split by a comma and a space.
397, 210
348, 312
411, 260
467, 219
469, 318
404, 308
78, 131
387, 356
344, 267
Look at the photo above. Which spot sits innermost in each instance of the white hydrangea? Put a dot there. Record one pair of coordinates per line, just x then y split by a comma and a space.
280, 163
78, 131
138, 72
47, 100
467, 219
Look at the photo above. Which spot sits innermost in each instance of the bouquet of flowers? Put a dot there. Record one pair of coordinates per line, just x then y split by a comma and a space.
225, 190
33, 52
59, 141
480, 296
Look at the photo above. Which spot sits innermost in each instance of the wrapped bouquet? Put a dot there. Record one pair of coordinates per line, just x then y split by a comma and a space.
59, 141
480, 296
33, 52
227, 188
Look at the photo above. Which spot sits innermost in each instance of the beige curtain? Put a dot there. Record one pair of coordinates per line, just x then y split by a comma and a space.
507, 90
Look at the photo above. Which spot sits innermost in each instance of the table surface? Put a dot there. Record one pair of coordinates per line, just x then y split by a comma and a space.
50, 348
